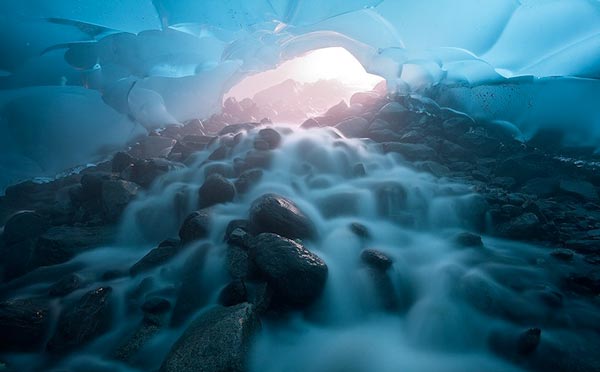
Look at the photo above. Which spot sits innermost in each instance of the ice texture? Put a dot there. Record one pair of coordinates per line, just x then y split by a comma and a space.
148, 63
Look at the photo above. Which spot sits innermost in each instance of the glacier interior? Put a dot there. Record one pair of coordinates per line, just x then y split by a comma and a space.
83, 80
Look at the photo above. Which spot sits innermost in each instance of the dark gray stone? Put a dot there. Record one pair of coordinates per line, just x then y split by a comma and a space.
276, 214
216, 341
297, 275
215, 190
196, 226
23, 226
23, 324
376, 259
87, 319
66, 285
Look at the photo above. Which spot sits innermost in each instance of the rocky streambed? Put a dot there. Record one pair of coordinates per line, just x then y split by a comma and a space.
387, 235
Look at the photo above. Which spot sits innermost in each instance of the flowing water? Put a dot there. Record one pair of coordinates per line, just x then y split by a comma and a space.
437, 313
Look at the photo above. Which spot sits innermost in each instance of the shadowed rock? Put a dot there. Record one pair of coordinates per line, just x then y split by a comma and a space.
23, 324
216, 341
215, 190
279, 215
297, 275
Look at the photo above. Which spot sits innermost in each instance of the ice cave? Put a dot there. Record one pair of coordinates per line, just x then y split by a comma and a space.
300, 185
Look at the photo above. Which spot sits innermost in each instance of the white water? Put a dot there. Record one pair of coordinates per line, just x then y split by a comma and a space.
449, 298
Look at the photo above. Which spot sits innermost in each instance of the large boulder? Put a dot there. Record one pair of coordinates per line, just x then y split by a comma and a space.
525, 226
116, 194
87, 319
354, 127
276, 214
297, 275
156, 257
215, 190
268, 136
216, 341
580, 189
60, 244
23, 324
195, 226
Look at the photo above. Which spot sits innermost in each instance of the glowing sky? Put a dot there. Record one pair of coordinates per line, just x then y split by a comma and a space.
328, 63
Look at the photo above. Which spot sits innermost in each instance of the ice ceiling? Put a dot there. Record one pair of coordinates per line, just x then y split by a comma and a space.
78, 77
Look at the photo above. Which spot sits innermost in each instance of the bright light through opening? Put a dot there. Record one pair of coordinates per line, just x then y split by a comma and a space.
322, 64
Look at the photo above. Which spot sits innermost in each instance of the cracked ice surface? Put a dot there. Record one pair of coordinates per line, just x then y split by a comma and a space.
101, 71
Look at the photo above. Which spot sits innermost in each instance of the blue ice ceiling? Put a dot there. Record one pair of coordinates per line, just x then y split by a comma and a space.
78, 77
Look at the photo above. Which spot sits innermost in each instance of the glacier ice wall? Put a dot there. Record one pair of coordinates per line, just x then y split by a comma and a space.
80, 76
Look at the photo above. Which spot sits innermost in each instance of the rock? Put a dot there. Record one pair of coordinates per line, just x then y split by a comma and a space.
366, 99
215, 190
238, 237
66, 285
219, 154
360, 230
434, 168
129, 349
144, 172
23, 324
354, 127
270, 136
156, 146
583, 190
467, 239
584, 284
542, 187
233, 293
17, 259
156, 257
528, 341
87, 319
382, 288
525, 226
297, 275
156, 305
116, 195
394, 113
276, 214
60, 244
358, 170
410, 151
121, 161
457, 126
23, 226
91, 185
216, 341
310, 124
196, 226
376, 259
247, 180
562, 254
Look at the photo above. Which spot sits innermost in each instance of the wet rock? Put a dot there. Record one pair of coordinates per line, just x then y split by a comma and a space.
360, 230
528, 341
562, 254
467, 239
66, 285
542, 187
580, 189
276, 214
456, 127
236, 128
156, 305
355, 127
215, 190
247, 180
60, 244
310, 124
376, 259
116, 195
23, 324
121, 161
434, 168
410, 151
270, 136
297, 275
216, 341
155, 146
238, 263
584, 284
17, 259
393, 112
87, 319
196, 226
23, 226
156, 257
233, 293
525, 226
144, 172
219, 154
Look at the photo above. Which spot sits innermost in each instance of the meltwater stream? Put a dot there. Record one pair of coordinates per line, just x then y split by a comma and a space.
440, 307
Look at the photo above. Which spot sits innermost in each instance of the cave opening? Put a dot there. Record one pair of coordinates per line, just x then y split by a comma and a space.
304, 86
